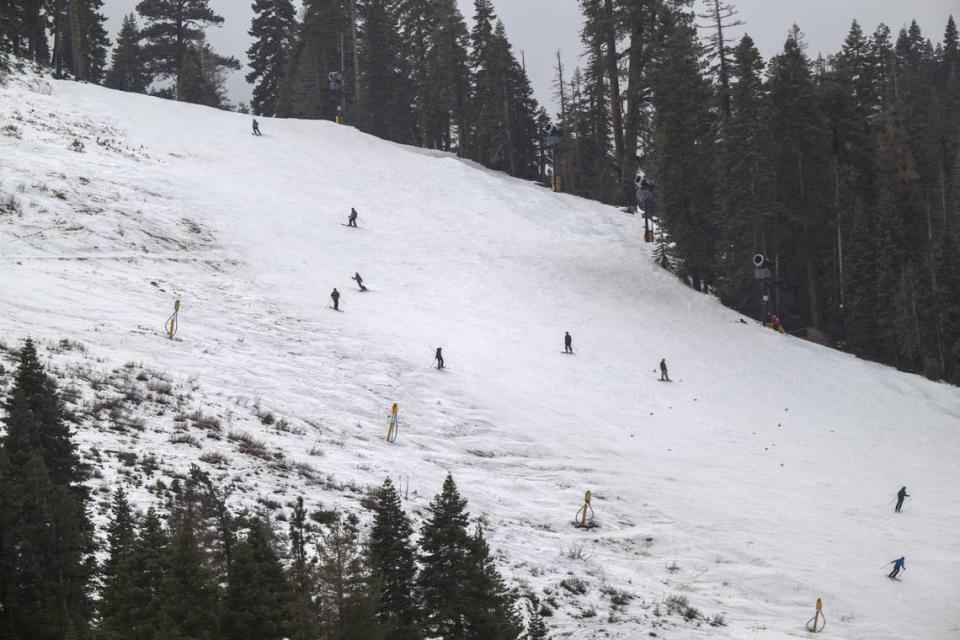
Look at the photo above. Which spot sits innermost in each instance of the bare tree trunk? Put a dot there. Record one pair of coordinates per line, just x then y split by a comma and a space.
635, 100
724, 72
356, 58
613, 71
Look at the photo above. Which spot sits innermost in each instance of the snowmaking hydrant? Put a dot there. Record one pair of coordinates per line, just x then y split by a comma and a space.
393, 426
171, 326
818, 621
585, 515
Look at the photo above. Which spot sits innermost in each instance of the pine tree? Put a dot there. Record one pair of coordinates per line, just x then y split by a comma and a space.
273, 30
347, 592
803, 192
128, 71
721, 17
148, 568
203, 76
446, 91
33, 31
745, 194
306, 91
536, 627
10, 26
415, 27
89, 39
683, 145
393, 562
302, 609
445, 555
492, 607
593, 173
190, 596
45, 505
116, 607
171, 28
386, 88
257, 593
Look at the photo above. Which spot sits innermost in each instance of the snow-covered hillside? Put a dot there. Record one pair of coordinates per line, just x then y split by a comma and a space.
758, 481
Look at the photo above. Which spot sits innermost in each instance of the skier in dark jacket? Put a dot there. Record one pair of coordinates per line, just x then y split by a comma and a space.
664, 376
256, 128
898, 564
352, 220
900, 496
567, 343
335, 296
359, 280
439, 357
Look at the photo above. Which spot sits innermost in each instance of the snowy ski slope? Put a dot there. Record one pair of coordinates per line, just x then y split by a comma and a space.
755, 483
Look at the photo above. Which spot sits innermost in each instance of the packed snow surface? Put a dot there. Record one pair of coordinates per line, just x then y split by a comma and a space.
759, 480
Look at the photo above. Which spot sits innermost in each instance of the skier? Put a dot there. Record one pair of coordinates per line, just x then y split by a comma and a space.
567, 343
777, 324
900, 496
256, 128
439, 357
352, 220
359, 280
664, 376
898, 564
335, 296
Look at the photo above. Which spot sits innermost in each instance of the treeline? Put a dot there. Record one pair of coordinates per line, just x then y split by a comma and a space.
405, 70
193, 568
168, 56
67, 35
844, 171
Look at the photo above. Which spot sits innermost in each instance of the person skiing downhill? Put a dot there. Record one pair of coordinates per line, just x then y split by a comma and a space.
664, 376
256, 128
352, 220
900, 496
567, 343
335, 296
898, 564
439, 357
359, 280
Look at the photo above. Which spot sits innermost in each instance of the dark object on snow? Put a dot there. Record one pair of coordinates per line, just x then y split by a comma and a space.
567, 343
664, 376
256, 128
359, 280
898, 564
352, 220
439, 357
335, 296
900, 496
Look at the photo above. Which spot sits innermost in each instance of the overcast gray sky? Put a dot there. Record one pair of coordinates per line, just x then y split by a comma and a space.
538, 28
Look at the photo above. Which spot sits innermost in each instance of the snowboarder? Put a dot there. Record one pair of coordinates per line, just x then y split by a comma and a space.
900, 496
898, 564
567, 343
664, 376
359, 280
335, 296
352, 220
439, 357
256, 128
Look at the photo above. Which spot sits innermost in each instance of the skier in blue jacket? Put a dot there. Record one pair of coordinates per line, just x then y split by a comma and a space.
256, 128
898, 564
